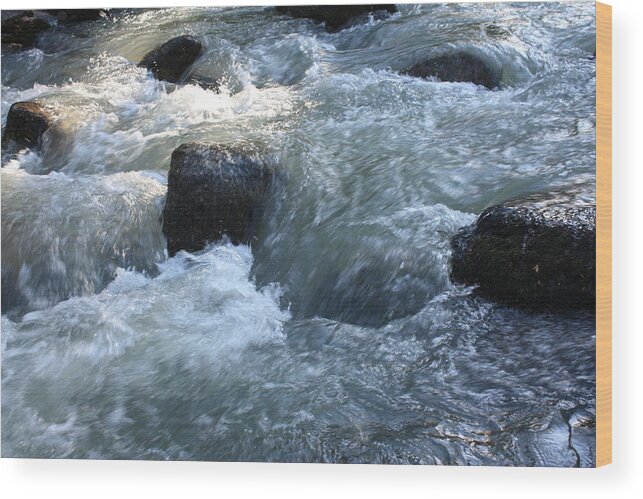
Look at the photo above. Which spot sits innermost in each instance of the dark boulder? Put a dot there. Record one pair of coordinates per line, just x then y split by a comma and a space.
78, 15
26, 124
22, 29
537, 252
171, 60
459, 67
214, 191
337, 17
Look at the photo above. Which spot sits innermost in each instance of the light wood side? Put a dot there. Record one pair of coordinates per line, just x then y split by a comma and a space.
603, 234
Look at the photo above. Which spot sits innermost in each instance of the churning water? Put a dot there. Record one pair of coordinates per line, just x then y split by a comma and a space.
337, 337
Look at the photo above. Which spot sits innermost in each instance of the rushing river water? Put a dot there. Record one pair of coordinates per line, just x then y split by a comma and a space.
337, 337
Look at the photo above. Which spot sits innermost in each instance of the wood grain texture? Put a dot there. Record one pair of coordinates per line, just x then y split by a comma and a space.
603, 234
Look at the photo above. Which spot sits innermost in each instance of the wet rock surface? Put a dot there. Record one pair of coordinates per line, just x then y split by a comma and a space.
214, 191
457, 67
20, 29
536, 252
338, 17
171, 60
205, 82
26, 124
78, 15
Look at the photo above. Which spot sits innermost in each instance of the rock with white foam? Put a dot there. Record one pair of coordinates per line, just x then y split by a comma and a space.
214, 191
27, 122
37, 126
172, 60
537, 252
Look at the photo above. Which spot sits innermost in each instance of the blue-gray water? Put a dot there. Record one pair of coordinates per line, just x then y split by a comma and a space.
337, 337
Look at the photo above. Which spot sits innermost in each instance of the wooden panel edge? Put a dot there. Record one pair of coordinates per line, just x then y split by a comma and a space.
603, 234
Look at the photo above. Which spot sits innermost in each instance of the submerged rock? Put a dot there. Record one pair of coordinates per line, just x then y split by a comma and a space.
213, 191
205, 82
171, 60
26, 124
21, 29
536, 252
459, 67
367, 293
337, 17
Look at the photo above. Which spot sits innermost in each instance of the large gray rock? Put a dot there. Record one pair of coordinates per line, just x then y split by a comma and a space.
214, 191
20, 29
537, 252
337, 17
171, 61
459, 67
26, 124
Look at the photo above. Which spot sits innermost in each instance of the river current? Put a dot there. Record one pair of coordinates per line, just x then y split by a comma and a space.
336, 337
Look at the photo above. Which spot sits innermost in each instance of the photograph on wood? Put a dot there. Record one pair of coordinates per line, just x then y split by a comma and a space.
308, 233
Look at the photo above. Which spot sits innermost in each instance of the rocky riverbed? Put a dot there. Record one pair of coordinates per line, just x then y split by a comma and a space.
259, 234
